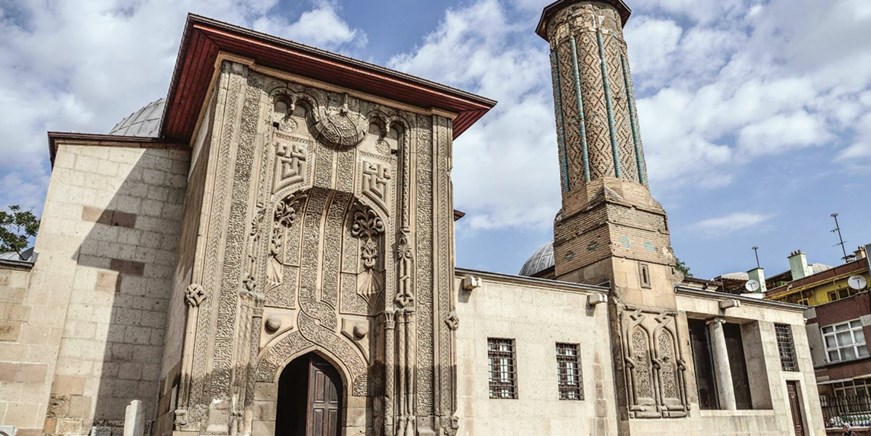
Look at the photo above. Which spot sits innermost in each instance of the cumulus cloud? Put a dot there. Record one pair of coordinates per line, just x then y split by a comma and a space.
506, 165
725, 225
82, 66
321, 27
764, 80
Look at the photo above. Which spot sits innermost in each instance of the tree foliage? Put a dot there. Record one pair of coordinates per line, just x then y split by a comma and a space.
682, 267
16, 228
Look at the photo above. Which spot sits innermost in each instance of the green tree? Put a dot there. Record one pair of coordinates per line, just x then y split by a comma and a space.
682, 267
16, 228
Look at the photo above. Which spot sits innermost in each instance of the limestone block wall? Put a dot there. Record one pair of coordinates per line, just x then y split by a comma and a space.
771, 414
107, 249
536, 314
25, 352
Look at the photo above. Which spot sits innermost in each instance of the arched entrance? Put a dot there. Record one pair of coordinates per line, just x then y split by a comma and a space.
309, 398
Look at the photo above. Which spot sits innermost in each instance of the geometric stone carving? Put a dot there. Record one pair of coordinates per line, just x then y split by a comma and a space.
452, 321
290, 164
374, 183
194, 295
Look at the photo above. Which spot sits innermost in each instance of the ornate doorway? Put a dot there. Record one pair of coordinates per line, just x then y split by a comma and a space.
309, 398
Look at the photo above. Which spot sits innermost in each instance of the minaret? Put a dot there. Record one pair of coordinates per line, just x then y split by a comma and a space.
610, 230
608, 217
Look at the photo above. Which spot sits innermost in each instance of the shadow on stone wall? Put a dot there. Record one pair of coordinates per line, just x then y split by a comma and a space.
116, 319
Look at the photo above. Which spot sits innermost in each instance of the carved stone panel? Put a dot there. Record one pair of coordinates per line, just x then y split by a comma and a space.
328, 213
654, 368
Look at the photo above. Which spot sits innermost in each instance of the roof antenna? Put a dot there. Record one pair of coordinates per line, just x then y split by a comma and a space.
841, 242
756, 252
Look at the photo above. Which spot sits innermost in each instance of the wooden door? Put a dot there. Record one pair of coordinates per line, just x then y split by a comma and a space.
324, 399
792, 391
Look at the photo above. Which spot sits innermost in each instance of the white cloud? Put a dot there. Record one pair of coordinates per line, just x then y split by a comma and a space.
83, 65
724, 225
781, 133
321, 27
859, 151
506, 164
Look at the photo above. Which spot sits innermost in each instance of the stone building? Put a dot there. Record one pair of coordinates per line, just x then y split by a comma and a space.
269, 250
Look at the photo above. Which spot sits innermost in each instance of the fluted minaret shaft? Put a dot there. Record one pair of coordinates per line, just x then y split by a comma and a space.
594, 100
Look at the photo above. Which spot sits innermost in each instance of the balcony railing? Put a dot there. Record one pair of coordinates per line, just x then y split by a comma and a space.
838, 411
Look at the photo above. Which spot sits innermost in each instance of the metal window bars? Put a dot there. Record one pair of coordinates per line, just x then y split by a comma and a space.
786, 347
503, 376
569, 372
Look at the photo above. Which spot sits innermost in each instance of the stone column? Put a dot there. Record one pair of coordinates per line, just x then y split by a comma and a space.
134, 419
722, 370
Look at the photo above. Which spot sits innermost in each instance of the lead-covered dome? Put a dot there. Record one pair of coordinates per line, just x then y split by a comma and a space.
541, 260
143, 123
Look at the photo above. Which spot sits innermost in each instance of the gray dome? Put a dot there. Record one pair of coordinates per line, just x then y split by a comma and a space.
541, 260
143, 123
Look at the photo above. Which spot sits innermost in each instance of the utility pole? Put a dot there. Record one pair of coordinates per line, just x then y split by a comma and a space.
841, 242
756, 252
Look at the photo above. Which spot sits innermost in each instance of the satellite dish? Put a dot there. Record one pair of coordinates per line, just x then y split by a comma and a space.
751, 285
857, 282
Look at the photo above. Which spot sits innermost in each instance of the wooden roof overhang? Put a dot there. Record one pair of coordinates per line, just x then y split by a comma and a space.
204, 39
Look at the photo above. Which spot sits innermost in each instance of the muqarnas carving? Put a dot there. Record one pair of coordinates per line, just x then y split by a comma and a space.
337, 127
655, 370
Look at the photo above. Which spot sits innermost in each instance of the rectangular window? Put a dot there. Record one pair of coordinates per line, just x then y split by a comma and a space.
569, 372
844, 341
503, 381
786, 347
644, 271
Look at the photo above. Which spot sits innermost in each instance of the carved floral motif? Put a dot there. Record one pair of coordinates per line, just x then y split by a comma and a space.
283, 218
368, 226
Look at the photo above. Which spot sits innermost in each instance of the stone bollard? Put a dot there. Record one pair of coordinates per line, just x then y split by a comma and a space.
134, 419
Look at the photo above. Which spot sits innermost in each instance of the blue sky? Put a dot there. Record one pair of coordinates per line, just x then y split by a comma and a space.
755, 114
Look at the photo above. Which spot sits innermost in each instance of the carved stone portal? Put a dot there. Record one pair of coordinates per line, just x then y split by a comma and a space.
654, 366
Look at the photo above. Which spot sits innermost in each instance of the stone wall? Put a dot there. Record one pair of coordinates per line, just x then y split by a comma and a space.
536, 314
107, 249
25, 352
189, 236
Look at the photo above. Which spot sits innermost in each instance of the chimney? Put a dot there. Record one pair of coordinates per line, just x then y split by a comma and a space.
798, 265
758, 274
860, 253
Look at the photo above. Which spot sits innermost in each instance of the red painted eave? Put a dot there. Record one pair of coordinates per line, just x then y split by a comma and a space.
205, 38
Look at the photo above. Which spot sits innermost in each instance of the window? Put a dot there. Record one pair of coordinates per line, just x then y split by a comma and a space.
569, 372
503, 382
844, 341
852, 389
786, 347
841, 294
644, 270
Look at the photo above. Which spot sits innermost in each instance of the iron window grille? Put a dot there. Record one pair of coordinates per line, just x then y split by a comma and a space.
569, 372
503, 375
844, 341
786, 346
